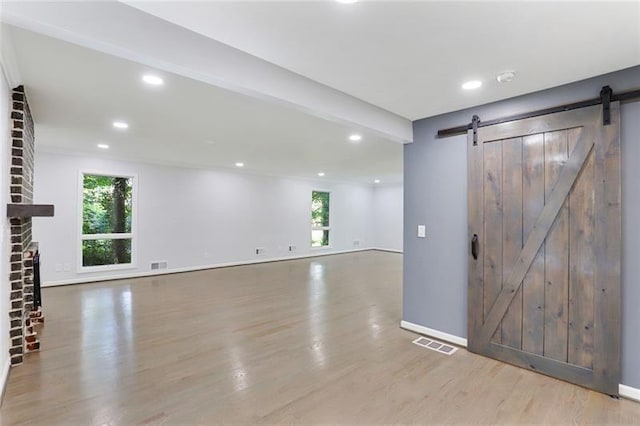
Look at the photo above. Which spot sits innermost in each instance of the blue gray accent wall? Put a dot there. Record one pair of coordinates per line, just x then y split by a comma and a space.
435, 195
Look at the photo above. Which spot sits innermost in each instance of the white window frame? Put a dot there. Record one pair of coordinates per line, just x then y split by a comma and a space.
130, 235
322, 228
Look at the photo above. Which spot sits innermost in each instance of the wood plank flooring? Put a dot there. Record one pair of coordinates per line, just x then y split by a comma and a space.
303, 341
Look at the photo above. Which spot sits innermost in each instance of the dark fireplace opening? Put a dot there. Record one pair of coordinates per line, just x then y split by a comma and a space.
37, 297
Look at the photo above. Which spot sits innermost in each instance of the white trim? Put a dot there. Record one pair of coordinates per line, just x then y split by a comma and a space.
193, 268
4, 378
111, 236
388, 249
420, 329
625, 391
320, 248
105, 268
629, 392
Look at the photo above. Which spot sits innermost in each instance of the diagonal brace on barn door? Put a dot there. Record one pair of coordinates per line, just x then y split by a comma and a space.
560, 192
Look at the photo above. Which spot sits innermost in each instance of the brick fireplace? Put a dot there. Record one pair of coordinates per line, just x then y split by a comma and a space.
24, 314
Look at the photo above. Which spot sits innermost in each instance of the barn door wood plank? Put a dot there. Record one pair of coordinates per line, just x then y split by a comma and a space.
556, 254
538, 363
581, 263
533, 283
537, 235
608, 255
493, 214
511, 325
535, 125
475, 200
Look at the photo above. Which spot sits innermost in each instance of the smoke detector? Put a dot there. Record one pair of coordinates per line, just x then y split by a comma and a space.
506, 76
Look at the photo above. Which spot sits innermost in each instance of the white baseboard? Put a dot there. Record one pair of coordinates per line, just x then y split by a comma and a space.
387, 249
4, 378
456, 340
83, 280
629, 392
625, 391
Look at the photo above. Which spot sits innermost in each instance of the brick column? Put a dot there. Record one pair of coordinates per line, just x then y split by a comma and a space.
22, 334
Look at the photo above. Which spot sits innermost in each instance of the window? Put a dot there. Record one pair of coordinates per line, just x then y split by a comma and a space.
319, 219
107, 221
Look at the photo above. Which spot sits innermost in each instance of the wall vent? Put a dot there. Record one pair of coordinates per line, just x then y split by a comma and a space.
434, 345
162, 264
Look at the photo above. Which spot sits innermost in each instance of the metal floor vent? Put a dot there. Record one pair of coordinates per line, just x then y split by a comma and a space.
434, 345
162, 264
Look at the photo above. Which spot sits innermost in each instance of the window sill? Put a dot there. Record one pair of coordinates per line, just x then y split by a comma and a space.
105, 268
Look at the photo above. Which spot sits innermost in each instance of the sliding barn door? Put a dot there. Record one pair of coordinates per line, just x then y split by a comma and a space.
544, 231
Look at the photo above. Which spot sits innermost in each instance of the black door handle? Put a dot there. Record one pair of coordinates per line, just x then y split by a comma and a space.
474, 246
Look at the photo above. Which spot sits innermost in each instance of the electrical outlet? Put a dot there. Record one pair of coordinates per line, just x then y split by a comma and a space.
422, 231
292, 248
356, 243
58, 267
260, 251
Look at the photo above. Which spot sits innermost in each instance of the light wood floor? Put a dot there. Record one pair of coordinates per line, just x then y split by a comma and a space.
303, 341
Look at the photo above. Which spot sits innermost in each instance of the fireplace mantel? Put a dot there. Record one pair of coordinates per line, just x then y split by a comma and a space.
30, 210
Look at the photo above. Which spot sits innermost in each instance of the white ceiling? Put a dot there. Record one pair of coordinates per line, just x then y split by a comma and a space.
75, 93
280, 85
411, 57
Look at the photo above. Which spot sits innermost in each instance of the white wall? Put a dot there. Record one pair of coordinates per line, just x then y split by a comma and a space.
194, 217
387, 205
191, 217
5, 101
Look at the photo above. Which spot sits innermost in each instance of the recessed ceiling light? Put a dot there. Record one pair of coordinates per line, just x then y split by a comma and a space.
103, 146
355, 138
471, 85
506, 76
321, 174
120, 125
376, 181
239, 164
153, 80
347, 1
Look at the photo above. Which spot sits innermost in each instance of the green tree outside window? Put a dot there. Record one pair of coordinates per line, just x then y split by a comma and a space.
320, 218
106, 220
